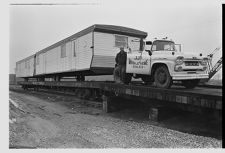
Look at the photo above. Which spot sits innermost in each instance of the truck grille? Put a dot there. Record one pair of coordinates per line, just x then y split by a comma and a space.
191, 63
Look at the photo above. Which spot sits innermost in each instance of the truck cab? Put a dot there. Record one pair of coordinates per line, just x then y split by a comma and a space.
162, 62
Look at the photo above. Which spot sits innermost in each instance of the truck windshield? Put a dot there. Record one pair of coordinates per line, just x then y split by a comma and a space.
160, 45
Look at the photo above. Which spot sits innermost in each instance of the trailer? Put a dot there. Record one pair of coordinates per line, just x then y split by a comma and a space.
89, 52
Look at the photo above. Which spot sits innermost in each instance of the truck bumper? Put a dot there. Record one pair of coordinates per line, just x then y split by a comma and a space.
189, 76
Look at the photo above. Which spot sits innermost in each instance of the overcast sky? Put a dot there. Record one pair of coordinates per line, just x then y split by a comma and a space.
196, 24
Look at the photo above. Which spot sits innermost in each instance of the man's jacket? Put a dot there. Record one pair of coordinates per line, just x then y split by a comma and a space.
121, 58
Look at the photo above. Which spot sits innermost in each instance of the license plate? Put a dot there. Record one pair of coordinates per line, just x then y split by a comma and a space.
191, 63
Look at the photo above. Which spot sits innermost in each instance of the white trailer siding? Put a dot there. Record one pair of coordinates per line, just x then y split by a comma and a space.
25, 68
105, 50
84, 52
31, 67
20, 66
51, 61
78, 52
40, 68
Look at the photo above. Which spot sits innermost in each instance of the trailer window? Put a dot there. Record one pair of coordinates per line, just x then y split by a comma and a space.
74, 49
63, 51
121, 41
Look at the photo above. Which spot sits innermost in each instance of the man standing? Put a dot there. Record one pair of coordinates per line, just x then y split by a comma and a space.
120, 69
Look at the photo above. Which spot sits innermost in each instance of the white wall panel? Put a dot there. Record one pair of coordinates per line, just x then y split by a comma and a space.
84, 52
51, 61
104, 44
104, 55
105, 50
31, 67
40, 66
65, 63
25, 71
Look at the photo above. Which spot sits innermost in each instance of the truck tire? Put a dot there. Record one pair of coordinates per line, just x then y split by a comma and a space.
162, 77
190, 84
116, 75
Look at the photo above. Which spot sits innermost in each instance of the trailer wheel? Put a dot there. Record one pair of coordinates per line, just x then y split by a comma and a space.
80, 78
116, 75
190, 84
162, 77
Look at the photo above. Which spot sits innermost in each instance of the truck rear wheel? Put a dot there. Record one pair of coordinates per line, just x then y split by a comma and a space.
162, 77
190, 84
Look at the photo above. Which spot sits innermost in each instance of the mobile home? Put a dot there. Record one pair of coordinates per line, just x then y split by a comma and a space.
91, 51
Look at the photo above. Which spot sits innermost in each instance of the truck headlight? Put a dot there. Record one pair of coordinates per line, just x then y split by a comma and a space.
204, 61
178, 68
179, 60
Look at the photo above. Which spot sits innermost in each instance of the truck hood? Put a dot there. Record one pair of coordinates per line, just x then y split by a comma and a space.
189, 55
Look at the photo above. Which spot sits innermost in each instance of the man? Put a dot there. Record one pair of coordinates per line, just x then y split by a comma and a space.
120, 70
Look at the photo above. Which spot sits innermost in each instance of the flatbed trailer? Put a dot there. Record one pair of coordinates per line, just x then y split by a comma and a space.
178, 96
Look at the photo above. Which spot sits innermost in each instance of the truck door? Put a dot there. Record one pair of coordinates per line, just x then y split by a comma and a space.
138, 62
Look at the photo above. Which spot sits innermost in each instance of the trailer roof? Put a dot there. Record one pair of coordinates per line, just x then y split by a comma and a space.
119, 30
99, 28
27, 58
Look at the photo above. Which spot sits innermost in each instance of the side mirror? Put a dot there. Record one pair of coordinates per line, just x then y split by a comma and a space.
149, 52
148, 43
178, 47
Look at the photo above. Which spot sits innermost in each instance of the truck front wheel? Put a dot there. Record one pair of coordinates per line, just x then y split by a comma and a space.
190, 84
162, 77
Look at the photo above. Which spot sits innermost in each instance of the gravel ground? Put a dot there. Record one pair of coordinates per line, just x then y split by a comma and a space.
40, 122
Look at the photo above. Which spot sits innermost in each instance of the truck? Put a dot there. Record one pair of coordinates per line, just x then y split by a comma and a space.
163, 64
